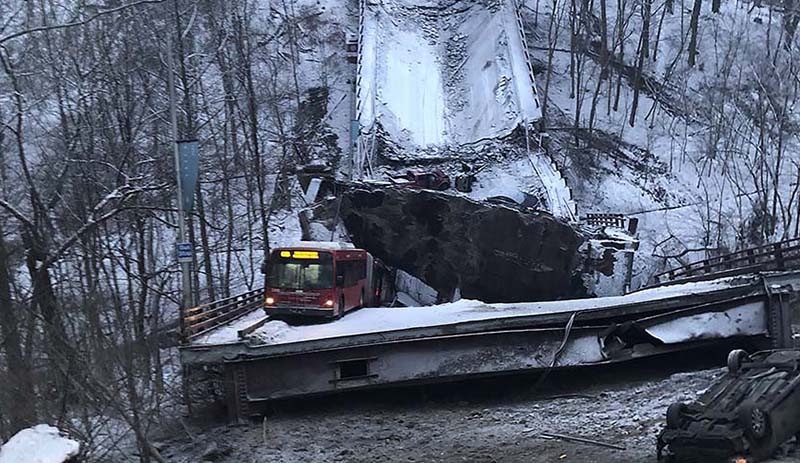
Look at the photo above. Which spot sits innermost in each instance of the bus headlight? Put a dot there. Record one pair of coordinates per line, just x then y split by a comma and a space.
329, 303
270, 300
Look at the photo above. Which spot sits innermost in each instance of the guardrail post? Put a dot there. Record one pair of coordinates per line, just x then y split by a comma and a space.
726, 263
779, 255
633, 225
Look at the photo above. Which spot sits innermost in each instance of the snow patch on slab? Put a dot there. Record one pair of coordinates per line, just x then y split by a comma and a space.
230, 332
746, 320
39, 444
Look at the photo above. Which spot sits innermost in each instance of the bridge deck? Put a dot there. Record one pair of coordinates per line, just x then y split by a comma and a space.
396, 346
467, 315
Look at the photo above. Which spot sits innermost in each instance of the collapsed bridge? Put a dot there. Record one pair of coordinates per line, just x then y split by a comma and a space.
264, 359
448, 82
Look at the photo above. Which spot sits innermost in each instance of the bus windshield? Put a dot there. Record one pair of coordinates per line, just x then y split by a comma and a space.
301, 274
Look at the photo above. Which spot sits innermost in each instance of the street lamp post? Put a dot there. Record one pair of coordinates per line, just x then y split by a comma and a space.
183, 247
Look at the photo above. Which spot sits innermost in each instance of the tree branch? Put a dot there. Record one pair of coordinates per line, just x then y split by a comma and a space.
77, 23
16, 213
122, 193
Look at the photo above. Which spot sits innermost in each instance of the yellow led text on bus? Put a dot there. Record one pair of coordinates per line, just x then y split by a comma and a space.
305, 255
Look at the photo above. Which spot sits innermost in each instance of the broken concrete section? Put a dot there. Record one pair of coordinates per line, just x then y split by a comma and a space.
378, 347
486, 252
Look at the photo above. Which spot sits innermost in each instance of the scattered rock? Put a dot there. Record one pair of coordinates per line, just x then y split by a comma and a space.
215, 451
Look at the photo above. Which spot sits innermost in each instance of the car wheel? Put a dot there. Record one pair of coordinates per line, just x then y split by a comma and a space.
754, 419
675, 415
735, 359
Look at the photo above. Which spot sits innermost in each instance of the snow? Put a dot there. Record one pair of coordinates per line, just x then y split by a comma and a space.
526, 173
511, 178
230, 332
373, 320
412, 95
40, 444
411, 291
707, 177
331, 245
383, 319
748, 320
453, 76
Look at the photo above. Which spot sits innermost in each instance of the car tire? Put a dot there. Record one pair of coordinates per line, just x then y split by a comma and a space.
675, 415
735, 359
754, 420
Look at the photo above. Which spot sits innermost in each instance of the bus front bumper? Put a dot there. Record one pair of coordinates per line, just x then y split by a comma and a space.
305, 311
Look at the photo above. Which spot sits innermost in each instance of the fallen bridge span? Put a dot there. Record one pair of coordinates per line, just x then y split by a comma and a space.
265, 359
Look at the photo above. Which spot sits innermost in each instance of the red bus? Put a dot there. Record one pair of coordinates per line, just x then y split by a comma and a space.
321, 279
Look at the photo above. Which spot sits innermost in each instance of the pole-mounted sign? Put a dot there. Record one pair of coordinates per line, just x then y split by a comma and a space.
184, 252
188, 160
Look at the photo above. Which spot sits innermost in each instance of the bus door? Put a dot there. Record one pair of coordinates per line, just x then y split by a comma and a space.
351, 277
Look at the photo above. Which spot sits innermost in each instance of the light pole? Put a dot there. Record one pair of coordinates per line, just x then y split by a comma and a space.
183, 247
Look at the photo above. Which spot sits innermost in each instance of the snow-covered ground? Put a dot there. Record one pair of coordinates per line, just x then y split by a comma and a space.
684, 167
40, 444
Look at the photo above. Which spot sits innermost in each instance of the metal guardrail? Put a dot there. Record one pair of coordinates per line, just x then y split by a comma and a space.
365, 136
521, 29
605, 220
612, 220
566, 205
205, 317
782, 255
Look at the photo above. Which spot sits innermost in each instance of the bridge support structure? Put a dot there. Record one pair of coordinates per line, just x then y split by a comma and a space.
753, 312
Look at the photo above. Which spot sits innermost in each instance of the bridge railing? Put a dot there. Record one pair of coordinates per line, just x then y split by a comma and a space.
205, 317
776, 256
611, 220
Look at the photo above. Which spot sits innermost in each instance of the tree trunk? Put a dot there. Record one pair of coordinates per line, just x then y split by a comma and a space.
693, 23
22, 406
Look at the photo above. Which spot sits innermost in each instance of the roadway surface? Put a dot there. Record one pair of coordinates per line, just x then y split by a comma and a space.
384, 319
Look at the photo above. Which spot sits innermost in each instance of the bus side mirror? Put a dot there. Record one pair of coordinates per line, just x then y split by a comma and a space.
264, 267
339, 281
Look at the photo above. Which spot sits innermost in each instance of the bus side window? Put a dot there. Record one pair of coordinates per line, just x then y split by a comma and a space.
350, 275
341, 274
363, 269
351, 272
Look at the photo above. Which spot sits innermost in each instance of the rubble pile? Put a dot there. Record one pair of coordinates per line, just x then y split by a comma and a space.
482, 251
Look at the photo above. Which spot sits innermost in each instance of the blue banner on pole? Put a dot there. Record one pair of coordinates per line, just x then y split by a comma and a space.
189, 161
